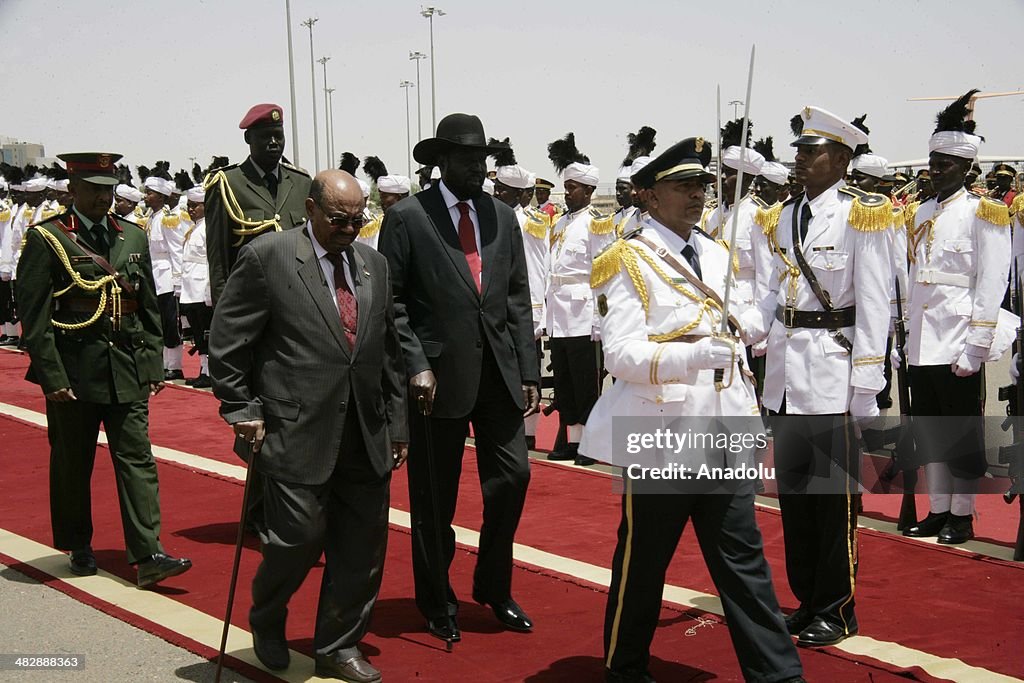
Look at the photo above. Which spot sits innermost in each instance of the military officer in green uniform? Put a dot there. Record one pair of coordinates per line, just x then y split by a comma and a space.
262, 194
92, 329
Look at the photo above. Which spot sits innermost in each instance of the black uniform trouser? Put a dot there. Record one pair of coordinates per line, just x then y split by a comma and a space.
885, 395
504, 470
960, 440
346, 520
816, 466
72, 428
577, 377
7, 302
731, 544
168, 304
199, 316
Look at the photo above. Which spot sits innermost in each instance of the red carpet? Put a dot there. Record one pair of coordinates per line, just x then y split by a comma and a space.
903, 594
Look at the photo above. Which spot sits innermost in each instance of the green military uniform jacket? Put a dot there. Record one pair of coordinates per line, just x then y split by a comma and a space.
112, 359
239, 208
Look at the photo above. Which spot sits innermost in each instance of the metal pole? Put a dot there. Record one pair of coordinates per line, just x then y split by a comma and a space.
405, 85
308, 23
419, 110
327, 114
330, 127
429, 13
291, 84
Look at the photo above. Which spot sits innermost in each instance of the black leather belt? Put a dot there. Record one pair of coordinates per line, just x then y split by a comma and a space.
826, 320
86, 305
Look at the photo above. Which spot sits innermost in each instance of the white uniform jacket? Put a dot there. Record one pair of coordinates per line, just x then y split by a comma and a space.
719, 227
574, 241
11, 239
370, 233
849, 249
534, 226
961, 263
166, 229
195, 269
646, 303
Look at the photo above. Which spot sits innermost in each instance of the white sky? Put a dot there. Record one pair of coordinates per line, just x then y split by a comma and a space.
170, 80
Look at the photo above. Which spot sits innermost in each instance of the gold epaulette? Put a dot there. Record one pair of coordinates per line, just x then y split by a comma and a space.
537, 224
870, 212
768, 219
910, 215
5, 214
993, 211
898, 221
372, 228
601, 223
1018, 204
170, 220
617, 256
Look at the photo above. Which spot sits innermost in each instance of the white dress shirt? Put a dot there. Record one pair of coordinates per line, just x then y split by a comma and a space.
450, 200
327, 268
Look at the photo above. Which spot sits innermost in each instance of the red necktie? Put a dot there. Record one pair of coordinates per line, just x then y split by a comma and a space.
346, 300
467, 238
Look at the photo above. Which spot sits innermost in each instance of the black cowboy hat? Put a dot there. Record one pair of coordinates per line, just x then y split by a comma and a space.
454, 130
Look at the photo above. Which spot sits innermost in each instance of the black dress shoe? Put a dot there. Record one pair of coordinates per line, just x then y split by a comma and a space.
584, 461
510, 614
929, 526
12, 341
272, 651
171, 375
612, 676
822, 632
202, 382
355, 669
159, 567
570, 452
958, 529
798, 620
531, 442
83, 562
445, 628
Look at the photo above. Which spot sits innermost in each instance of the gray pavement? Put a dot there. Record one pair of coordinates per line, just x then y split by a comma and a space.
40, 620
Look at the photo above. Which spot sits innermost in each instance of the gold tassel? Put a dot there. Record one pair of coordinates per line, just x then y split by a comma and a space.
603, 225
910, 216
874, 218
607, 264
1018, 204
768, 219
535, 227
632, 267
372, 228
993, 211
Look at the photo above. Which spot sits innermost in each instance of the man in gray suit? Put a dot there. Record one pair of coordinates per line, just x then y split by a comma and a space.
306, 361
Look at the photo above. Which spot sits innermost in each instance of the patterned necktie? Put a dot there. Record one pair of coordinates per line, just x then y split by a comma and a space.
346, 299
691, 257
271, 182
467, 238
805, 221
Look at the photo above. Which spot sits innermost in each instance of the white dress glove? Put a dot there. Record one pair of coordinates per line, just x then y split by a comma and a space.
1014, 368
894, 357
968, 363
713, 353
759, 349
863, 405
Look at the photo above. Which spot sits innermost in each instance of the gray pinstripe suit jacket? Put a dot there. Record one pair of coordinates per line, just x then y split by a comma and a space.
278, 353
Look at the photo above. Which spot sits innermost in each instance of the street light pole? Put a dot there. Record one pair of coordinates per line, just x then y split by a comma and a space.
330, 126
429, 13
734, 104
405, 85
419, 113
327, 115
308, 23
291, 83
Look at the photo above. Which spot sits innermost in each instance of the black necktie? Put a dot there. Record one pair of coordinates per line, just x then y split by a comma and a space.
271, 181
691, 257
805, 222
99, 236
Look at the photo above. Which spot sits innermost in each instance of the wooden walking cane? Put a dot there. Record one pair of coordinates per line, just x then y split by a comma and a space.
250, 457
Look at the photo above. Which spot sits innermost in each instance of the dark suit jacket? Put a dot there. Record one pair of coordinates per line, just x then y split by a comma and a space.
253, 197
100, 364
442, 319
278, 353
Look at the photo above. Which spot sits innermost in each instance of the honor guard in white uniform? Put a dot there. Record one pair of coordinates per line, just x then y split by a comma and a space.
641, 144
33, 193
390, 188
166, 231
960, 253
768, 185
9, 336
510, 183
827, 318
196, 297
659, 291
126, 204
579, 235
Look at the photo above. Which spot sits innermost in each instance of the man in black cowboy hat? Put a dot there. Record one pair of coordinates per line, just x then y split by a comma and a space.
462, 307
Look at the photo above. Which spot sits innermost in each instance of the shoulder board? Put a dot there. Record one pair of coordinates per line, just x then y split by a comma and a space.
633, 233
50, 218
291, 167
1018, 204
601, 224
993, 211
852, 191
794, 199
870, 212
760, 202
700, 231
768, 218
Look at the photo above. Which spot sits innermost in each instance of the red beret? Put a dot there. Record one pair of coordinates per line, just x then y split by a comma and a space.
262, 115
